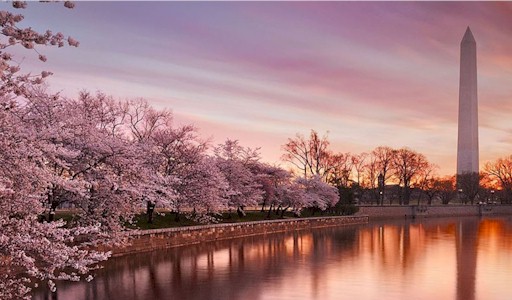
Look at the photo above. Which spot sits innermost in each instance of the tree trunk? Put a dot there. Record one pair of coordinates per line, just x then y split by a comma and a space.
51, 215
150, 208
53, 208
240, 211
406, 195
277, 210
269, 210
283, 211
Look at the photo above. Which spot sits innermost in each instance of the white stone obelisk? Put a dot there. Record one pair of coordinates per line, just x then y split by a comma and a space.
467, 147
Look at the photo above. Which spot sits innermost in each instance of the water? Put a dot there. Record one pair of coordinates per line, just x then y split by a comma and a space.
459, 258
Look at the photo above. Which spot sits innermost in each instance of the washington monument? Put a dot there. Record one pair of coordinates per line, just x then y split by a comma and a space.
467, 147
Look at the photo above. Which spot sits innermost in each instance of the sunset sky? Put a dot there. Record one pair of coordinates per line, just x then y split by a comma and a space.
369, 73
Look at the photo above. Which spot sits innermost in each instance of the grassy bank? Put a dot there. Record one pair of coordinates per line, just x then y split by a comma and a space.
166, 219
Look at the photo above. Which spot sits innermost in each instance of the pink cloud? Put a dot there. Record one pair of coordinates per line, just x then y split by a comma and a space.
355, 69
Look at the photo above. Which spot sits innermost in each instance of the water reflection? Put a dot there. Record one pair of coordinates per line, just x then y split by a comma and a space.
438, 258
466, 240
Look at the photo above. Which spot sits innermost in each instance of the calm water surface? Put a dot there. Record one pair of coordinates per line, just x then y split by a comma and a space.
462, 258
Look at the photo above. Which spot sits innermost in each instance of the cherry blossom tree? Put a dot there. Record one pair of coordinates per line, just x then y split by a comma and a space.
151, 132
180, 156
14, 35
271, 179
100, 172
279, 191
318, 194
30, 250
292, 195
204, 188
64, 150
235, 161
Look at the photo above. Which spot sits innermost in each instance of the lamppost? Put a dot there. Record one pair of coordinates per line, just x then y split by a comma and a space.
460, 195
492, 196
381, 188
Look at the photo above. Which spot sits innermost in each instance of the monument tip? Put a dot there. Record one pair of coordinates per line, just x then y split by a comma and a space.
468, 36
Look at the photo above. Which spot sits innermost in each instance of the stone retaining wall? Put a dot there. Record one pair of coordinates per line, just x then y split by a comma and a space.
148, 240
412, 211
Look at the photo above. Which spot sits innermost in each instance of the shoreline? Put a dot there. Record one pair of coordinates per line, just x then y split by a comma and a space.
156, 239
434, 211
164, 238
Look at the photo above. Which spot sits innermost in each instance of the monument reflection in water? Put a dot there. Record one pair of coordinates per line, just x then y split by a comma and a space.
460, 259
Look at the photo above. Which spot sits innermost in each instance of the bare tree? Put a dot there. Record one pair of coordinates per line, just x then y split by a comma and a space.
384, 157
468, 186
501, 171
311, 156
446, 188
407, 166
371, 172
340, 170
358, 163
143, 120
428, 183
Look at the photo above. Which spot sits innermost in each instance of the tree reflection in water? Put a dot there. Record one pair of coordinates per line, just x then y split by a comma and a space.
425, 259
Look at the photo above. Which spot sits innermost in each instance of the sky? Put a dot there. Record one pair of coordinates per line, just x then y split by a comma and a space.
366, 73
